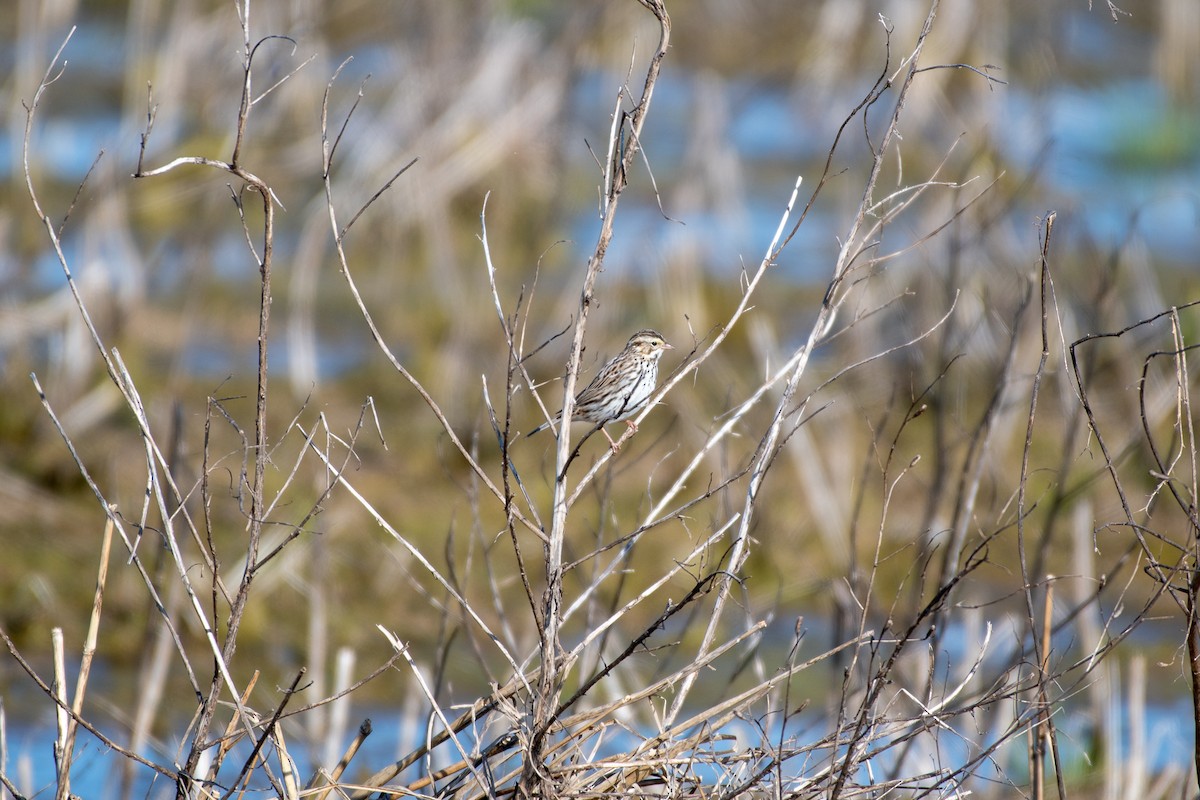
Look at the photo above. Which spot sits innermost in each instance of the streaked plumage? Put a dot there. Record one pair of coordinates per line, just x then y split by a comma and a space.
621, 387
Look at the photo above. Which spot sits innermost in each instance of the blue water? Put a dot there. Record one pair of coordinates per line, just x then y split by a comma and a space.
96, 774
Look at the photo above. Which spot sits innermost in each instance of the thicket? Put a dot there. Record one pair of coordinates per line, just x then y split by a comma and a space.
972, 453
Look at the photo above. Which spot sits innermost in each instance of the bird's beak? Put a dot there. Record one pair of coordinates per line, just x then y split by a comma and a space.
668, 346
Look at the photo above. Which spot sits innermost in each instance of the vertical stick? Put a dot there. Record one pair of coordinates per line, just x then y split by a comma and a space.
623, 149
1135, 703
62, 759
4, 793
1041, 729
89, 644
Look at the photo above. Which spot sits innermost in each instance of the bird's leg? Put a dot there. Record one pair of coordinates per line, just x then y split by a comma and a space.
616, 446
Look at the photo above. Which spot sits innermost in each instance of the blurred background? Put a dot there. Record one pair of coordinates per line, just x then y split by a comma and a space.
1076, 109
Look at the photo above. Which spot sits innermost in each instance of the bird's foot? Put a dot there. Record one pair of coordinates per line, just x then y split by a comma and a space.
616, 444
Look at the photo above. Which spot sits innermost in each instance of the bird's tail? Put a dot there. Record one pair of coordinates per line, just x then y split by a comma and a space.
539, 429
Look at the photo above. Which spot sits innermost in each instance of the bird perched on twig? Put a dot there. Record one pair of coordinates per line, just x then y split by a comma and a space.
621, 387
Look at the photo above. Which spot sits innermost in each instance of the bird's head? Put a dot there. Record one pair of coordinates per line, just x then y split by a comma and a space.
648, 344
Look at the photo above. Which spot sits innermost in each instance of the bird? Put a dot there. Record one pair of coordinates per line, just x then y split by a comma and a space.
621, 387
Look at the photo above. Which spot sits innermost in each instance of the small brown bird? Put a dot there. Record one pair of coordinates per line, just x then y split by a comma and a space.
621, 387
